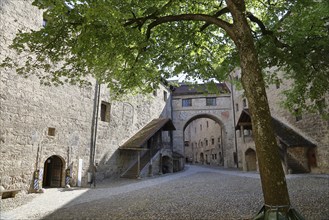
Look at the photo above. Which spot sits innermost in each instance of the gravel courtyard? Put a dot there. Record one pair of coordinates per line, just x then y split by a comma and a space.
199, 192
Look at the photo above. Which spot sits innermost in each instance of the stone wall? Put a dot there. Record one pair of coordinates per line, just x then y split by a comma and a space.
221, 113
311, 126
38, 122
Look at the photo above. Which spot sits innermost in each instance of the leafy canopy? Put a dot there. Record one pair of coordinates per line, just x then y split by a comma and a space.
130, 44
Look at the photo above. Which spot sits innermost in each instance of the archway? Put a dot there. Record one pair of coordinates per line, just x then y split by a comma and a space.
53, 171
250, 156
209, 134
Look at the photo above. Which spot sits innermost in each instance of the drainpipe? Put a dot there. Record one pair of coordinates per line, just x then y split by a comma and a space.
171, 117
94, 124
233, 109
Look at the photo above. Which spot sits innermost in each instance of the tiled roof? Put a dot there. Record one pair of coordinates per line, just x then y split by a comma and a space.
143, 135
184, 89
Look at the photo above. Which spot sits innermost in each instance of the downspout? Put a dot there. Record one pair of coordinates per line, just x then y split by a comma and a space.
94, 126
233, 109
171, 117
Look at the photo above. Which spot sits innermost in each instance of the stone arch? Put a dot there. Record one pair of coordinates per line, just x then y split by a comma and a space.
251, 160
202, 143
53, 172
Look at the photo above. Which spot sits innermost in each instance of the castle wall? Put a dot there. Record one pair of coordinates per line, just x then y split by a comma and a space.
38, 121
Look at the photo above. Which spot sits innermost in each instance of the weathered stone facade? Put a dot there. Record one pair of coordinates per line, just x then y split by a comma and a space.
312, 127
221, 112
41, 124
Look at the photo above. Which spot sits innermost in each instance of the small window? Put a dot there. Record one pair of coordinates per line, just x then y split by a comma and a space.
165, 96
200, 127
51, 132
212, 141
155, 92
244, 102
186, 102
211, 101
237, 107
105, 111
206, 142
186, 143
219, 140
207, 124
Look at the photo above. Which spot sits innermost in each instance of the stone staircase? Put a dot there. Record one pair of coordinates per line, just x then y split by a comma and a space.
292, 163
132, 172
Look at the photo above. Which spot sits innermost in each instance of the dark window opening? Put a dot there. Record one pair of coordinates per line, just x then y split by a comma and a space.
105, 111
210, 101
165, 96
186, 102
51, 131
244, 103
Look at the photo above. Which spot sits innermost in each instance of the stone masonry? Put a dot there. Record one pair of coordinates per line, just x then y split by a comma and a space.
38, 122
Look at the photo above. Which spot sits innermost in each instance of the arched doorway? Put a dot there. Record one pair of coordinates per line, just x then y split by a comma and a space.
53, 170
250, 156
166, 165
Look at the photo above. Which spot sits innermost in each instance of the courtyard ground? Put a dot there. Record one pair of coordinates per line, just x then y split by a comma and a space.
198, 192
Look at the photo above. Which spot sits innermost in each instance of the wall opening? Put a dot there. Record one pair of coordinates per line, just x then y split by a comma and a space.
250, 156
53, 171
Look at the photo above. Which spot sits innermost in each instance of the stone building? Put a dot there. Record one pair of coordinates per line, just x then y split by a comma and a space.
303, 140
50, 133
194, 105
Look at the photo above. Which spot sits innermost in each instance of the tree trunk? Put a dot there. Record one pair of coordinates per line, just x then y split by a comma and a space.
271, 172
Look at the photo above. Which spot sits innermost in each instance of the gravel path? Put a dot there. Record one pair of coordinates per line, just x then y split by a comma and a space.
196, 193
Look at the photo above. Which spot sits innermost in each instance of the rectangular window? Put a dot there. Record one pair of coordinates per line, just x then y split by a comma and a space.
186, 102
237, 107
244, 102
51, 131
155, 92
206, 142
211, 101
105, 111
212, 141
165, 96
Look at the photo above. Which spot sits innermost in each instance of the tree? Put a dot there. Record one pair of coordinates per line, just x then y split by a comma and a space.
130, 45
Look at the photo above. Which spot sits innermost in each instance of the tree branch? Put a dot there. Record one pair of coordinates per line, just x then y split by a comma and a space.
192, 17
218, 14
266, 31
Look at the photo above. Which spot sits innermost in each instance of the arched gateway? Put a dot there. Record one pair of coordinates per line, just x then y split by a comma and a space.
190, 104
